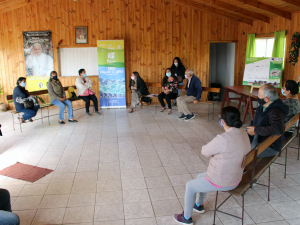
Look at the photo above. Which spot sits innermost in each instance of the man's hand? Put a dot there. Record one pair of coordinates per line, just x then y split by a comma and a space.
32, 52
250, 131
195, 101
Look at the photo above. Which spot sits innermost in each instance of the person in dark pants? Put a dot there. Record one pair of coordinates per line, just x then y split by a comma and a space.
169, 87
85, 91
6, 216
21, 92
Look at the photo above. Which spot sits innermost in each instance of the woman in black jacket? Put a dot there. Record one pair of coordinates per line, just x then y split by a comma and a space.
138, 88
178, 69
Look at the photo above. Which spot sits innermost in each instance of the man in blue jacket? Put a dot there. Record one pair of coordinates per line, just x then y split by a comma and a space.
194, 92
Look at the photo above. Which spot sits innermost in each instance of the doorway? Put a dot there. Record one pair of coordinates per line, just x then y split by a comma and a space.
221, 65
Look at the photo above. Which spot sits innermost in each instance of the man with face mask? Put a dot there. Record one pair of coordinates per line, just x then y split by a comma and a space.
268, 120
194, 92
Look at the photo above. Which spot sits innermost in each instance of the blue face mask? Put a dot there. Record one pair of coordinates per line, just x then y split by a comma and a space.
54, 77
282, 92
168, 74
84, 75
23, 84
221, 124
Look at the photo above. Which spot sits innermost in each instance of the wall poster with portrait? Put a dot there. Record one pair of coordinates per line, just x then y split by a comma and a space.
38, 52
81, 35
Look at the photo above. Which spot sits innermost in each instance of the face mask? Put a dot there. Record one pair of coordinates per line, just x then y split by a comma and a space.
23, 84
84, 75
221, 124
54, 77
282, 92
132, 78
261, 101
186, 76
176, 64
168, 74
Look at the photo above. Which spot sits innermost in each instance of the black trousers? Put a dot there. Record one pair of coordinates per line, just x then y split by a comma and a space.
5, 200
168, 98
87, 100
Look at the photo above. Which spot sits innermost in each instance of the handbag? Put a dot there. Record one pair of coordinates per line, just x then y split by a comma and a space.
28, 104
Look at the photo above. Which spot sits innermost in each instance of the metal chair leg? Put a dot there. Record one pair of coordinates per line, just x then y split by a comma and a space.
215, 211
213, 111
20, 122
208, 114
269, 183
156, 105
285, 162
48, 116
13, 121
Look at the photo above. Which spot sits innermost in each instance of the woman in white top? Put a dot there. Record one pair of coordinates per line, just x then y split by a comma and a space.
85, 91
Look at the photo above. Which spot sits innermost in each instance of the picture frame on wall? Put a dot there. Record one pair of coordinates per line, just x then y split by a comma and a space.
81, 35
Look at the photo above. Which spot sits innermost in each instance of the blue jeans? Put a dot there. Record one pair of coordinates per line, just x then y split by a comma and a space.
28, 113
62, 106
6, 216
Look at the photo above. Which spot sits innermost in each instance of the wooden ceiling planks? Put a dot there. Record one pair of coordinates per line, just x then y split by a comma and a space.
293, 2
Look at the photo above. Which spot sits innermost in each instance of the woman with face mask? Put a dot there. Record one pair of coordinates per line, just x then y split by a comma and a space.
138, 88
226, 152
19, 94
290, 90
169, 87
57, 97
85, 92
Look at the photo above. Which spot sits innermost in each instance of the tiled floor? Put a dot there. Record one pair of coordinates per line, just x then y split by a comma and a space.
121, 168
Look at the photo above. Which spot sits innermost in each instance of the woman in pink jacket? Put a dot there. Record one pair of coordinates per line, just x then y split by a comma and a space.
224, 171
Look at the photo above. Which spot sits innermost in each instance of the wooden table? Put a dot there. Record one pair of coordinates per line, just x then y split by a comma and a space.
246, 97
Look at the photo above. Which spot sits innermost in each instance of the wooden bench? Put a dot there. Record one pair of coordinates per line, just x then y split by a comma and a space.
205, 89
255, 168
42, 106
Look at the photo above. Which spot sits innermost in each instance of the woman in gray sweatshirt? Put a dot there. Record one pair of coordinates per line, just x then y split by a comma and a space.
224, 171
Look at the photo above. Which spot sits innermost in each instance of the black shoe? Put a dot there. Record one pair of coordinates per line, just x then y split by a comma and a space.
73, 121
179, 218
190, 116
61, 122
182, 116
199, 209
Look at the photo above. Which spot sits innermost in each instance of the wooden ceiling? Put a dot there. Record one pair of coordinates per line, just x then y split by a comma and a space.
245, 11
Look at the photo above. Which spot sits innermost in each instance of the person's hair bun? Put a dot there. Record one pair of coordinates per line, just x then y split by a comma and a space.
238, 123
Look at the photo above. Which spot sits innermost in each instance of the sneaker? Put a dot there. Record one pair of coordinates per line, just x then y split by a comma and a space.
179, 218
182, 116
97, 113
190, 116
199, 209
88, 114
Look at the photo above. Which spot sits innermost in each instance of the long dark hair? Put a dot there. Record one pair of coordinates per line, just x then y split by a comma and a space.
292, 86
51, 74
231, 116
138, 77
20, 79
165, 79
179, 63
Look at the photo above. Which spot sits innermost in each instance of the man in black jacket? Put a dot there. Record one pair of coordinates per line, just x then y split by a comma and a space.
268, 120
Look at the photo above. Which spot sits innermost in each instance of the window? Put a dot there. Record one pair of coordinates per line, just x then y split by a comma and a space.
264, 46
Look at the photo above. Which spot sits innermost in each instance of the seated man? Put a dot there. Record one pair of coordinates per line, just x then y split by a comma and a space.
268, 120
194, 91
6, 216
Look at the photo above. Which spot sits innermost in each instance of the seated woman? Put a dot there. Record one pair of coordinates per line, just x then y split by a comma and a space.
6, 216
224, 171
290, 89
85, 92
57, 97
138, 88
21, 97
169, 86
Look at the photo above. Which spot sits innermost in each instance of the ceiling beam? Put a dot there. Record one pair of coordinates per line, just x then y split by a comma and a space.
7, 6
293, 2
210, 9
237, 9
268, 8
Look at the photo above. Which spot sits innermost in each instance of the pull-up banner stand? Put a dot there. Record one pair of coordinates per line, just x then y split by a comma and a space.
111, 70
260, 71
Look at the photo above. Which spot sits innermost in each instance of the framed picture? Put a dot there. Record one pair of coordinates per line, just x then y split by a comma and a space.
81, 35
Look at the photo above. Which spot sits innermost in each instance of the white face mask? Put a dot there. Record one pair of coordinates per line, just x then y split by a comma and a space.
186, 76
132, 78
176, 64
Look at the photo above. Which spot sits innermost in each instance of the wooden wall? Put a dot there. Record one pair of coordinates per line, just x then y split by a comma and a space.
154, 32
277, 24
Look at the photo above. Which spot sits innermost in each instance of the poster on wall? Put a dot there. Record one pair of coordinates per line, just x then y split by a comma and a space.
260, 71
38, 52
111, 70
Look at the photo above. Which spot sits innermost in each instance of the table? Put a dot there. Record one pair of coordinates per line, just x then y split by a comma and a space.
246, 97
